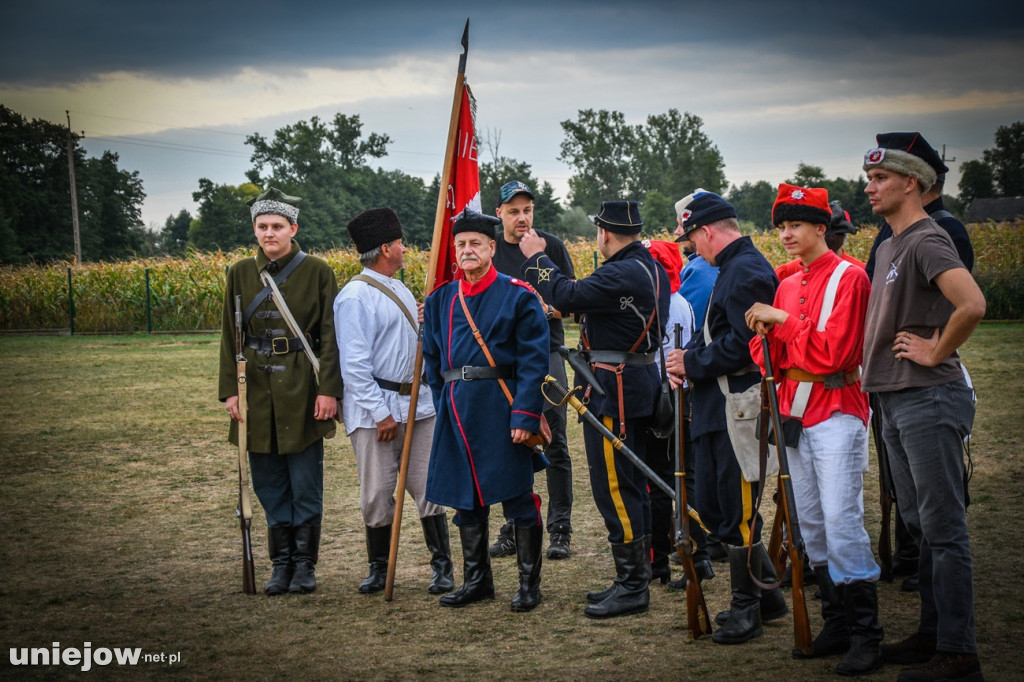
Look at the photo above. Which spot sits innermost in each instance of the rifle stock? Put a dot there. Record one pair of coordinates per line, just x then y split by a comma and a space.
776, 552
697, 620
244, 510
795, 544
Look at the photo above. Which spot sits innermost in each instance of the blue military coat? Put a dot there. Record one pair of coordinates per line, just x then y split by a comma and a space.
473, 458
615, 302
744, 278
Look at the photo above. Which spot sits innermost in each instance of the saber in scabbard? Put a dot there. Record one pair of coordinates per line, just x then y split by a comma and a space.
565, 396
244, 509
797, 551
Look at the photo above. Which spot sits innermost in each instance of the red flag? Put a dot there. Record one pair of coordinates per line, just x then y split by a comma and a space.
463, 187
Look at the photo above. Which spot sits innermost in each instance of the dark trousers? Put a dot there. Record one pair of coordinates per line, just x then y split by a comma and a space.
660, 456
559, 471
290, 487
724, 499
620, 488
522, 510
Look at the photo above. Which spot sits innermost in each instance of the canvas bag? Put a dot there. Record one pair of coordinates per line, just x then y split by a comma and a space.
741, 411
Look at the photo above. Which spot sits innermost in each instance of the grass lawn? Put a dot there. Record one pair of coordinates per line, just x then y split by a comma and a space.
117, 497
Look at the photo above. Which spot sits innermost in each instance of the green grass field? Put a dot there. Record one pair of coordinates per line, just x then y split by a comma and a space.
117, 498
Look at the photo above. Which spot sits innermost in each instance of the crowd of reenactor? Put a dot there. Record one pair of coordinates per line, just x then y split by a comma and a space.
687, 372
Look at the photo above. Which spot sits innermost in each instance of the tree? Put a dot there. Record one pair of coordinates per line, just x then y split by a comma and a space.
808, 176
976, 181
1006, 159
658, 212
675, 156
36, 198
753, 203
326, 166
110, 209
224, 219
173, 236
600, 146
669, 154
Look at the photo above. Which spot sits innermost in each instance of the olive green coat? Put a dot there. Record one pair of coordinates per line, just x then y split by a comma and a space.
284, 399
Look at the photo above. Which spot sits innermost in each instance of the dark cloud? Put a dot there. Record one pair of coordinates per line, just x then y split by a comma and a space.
65, 41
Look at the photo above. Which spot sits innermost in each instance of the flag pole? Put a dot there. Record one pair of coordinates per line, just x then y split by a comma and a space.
430, 285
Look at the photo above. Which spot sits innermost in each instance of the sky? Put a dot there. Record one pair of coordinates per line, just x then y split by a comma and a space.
174, 87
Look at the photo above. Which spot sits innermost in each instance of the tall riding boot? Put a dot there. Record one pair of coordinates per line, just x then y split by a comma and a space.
773, 603
528, 556
307, 552
378, 547
435, 532
835, 635
860, 600
279, 546
478, 582
598, 596
629, 593
744, 621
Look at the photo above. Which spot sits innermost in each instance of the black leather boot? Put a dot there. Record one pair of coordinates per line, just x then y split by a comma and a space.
478, 582
305, 556
279, 546
860, 601
598, 596
528, 556
835, 634
744, 621
773, 603
435, 533
629, 593
378, 547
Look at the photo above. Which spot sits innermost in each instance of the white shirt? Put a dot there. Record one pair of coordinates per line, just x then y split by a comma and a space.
375, 339
679, 312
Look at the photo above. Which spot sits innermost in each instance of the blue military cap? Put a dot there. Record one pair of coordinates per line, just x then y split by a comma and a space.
704, 209
621, 217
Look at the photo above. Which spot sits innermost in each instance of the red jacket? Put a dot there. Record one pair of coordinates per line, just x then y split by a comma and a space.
797, 343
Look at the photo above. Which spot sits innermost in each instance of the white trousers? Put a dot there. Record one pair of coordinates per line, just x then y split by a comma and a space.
378, 464
828, 482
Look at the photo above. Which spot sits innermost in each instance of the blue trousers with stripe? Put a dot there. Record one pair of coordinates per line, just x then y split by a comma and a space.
619, 487
724, 500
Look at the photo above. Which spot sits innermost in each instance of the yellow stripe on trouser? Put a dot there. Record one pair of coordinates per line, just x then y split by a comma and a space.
747, 496
613, 485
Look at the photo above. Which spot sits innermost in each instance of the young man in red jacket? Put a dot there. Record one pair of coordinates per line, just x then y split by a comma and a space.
815, 328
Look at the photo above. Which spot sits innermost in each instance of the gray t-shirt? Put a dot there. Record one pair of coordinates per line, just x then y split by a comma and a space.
904, 297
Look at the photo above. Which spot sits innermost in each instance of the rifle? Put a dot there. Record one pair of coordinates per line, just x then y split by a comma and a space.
886, 494
776, 552
244, 508
697, 620
566, 396
794, 541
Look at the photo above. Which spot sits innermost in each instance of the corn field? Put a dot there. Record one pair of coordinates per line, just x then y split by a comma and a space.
185, 294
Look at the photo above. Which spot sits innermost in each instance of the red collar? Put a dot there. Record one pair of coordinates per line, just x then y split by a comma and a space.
478, 287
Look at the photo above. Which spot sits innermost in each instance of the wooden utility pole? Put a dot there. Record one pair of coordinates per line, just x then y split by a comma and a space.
74, 192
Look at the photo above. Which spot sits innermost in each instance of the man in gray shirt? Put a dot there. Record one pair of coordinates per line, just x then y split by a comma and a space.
924, 304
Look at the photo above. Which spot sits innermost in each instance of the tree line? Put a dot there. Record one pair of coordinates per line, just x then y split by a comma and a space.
328, 163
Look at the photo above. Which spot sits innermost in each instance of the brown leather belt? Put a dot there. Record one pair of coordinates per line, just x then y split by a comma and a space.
835, 380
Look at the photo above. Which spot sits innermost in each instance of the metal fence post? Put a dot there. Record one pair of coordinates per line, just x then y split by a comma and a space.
71, 305
149, 307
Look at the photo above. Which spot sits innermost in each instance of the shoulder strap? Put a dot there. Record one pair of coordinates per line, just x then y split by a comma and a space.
656, 285
802, 395
390, 294
480, 340
279, 279
940, 214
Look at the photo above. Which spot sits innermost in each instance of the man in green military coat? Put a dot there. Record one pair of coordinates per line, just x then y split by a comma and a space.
289, 413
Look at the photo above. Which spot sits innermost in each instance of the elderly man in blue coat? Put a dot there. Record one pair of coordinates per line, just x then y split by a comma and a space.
486, 389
